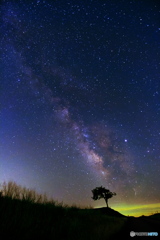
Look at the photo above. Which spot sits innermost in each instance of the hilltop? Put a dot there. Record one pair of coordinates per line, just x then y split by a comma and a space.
25, 220
109, 212
26, 215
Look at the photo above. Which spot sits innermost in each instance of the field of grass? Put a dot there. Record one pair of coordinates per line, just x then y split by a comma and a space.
26, 215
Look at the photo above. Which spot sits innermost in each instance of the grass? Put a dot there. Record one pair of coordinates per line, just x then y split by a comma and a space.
25, 215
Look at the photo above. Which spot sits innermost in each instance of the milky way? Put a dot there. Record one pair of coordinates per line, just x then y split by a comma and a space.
80, 98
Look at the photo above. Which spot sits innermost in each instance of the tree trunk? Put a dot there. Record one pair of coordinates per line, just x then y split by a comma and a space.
106, 202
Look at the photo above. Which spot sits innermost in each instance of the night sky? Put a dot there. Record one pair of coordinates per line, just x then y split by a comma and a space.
80, 99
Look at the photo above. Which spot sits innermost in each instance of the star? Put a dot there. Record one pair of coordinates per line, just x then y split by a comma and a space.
79, 99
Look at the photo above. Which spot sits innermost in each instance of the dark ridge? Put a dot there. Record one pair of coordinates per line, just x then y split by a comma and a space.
22, 219
156, 216
109, 211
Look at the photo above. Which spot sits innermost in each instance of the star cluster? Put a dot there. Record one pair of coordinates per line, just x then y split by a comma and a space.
80, 98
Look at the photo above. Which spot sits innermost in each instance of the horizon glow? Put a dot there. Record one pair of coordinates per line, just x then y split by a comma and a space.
80, 101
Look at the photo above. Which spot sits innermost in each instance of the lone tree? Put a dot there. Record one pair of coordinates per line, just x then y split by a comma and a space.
101, 192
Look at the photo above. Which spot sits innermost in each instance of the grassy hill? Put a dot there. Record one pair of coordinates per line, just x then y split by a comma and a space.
108, 212
22, 219
26, 215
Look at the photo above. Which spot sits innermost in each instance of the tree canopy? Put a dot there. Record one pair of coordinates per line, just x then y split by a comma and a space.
101, 192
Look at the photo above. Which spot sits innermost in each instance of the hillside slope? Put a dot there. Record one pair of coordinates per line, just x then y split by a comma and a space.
26, 220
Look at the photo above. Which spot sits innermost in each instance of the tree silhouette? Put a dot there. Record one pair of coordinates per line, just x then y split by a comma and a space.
101, 192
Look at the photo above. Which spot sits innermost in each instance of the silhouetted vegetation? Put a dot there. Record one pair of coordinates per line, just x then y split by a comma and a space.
101, 192
26, 215
14, 191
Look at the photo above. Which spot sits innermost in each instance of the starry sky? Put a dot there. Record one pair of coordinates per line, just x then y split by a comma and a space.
80, 99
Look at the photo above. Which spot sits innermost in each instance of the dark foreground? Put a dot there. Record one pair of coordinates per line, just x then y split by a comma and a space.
26, 220
141, 226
